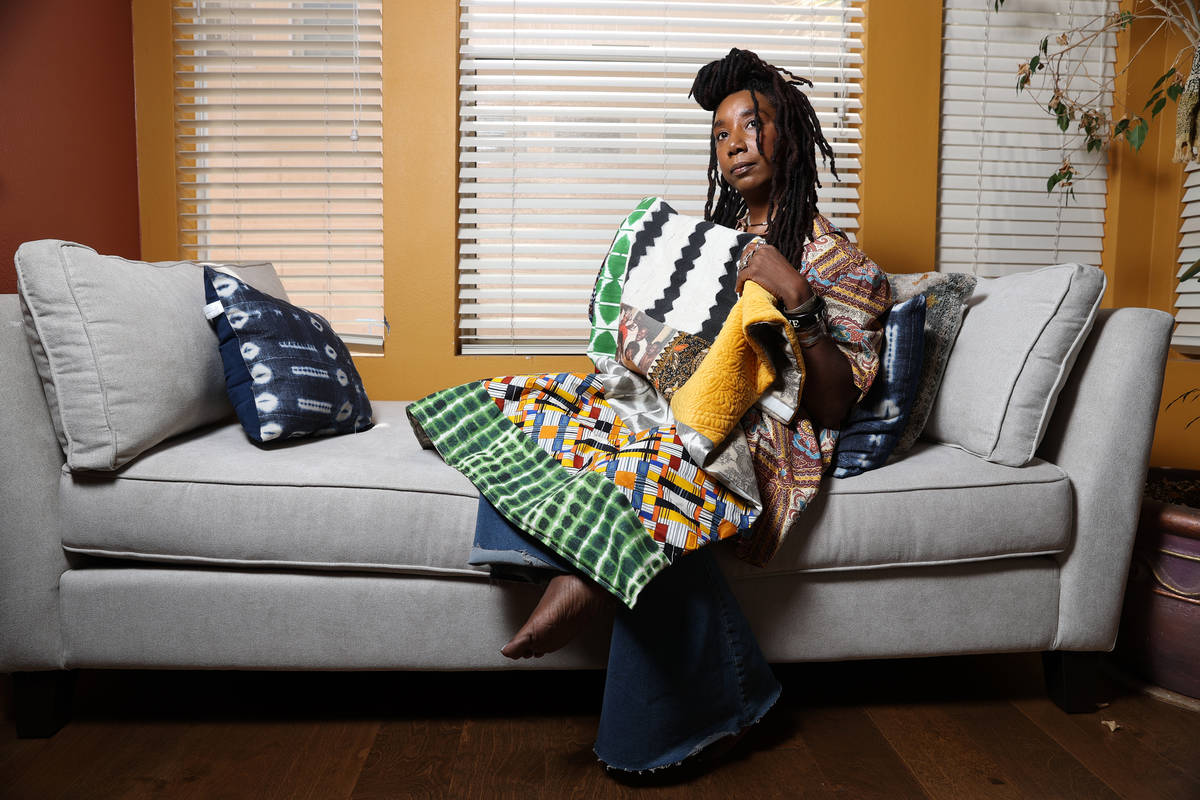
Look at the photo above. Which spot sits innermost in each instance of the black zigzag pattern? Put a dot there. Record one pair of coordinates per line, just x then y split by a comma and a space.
727, 295
683, 265
652, 228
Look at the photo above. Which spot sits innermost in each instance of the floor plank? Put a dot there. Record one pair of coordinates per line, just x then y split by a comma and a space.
508, 759
1170, 731
1130, 768
776, 772
939, 753
1035, 763
410, 758
855, 757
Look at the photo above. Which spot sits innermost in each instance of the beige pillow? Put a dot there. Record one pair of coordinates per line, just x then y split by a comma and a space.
124, 352
1019, 339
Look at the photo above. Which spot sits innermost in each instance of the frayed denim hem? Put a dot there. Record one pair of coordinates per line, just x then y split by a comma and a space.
695, 750
514, 565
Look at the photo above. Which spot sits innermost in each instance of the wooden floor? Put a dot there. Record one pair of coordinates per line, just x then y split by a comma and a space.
965, 727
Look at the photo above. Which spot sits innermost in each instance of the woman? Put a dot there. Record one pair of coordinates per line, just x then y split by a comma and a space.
684, 670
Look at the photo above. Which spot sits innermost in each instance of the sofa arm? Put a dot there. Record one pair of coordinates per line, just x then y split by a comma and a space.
31, 554
1100, 436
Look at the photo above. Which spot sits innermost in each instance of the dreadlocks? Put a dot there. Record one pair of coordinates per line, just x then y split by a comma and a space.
793, 199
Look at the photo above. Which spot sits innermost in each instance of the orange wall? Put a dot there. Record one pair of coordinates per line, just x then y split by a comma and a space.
899, 189
1141, 233
68, 155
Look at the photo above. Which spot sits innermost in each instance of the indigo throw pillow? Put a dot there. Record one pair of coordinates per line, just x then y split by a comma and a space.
875, 424
287, 373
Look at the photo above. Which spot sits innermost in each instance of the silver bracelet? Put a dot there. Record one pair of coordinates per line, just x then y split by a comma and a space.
807, 306
812, 336
749, 252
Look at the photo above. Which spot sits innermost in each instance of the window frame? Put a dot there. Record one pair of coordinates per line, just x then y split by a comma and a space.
420, 236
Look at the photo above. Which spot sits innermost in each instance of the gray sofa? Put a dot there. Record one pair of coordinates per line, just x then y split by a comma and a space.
348, 553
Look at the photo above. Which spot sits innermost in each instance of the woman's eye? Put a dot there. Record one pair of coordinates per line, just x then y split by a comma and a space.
752, 123
721, 135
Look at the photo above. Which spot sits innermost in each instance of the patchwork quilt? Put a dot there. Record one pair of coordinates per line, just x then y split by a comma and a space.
665, 307
693, 415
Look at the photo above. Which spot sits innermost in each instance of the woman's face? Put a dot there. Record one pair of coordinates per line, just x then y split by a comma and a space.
735, 134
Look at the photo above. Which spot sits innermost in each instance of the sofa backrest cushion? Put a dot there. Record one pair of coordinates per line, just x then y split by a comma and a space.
122, 347
1018, 342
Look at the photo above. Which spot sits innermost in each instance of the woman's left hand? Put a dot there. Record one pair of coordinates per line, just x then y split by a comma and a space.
770, 270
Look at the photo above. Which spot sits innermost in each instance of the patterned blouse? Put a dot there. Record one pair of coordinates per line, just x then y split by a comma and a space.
789, 461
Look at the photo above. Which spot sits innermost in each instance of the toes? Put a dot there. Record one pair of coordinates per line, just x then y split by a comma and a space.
521, 646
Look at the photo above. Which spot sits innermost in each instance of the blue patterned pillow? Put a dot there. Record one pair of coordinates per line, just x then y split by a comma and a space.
874, 426
286, 372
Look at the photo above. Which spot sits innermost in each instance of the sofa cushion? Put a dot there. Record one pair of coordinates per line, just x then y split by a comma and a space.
1018, 342
287, 374
937, 505
370, 501
377, 501
125, 355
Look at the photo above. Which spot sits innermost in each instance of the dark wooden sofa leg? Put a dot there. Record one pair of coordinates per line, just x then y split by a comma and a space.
42, 702
1073, 680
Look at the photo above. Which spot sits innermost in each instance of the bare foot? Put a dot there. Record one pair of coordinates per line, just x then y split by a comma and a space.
568, 604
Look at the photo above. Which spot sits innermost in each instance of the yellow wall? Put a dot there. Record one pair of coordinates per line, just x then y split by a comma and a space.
898, 207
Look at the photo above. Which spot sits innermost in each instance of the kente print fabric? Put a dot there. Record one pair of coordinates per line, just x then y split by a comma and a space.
553, 457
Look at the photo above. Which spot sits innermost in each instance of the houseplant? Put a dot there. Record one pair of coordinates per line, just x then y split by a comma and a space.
1096, 111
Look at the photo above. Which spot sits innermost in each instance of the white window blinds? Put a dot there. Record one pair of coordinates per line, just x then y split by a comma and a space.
999, 148
1187, 295
279, 148
571, 111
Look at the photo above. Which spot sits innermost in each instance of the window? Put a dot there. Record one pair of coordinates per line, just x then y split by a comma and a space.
279, 148
572, 111
998, 148
1187, 296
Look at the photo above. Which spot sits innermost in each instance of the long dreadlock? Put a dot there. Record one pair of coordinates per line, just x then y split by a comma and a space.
793, 200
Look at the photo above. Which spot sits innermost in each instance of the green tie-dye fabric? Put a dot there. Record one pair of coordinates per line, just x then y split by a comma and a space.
581, 516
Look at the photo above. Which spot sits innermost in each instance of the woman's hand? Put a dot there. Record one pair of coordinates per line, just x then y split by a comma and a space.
829, 389
770, 270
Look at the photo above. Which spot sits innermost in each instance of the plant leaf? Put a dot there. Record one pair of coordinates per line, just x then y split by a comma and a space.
1162, 101
1121, 127
1174, 90
1166, 75
1153, 97
1136, 135
1192, 272
1034, 62
1045, 41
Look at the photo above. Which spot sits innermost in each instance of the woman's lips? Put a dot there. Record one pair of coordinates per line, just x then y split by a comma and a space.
742, 169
